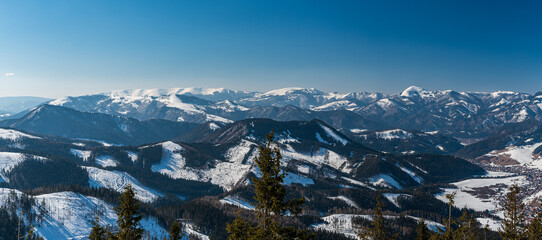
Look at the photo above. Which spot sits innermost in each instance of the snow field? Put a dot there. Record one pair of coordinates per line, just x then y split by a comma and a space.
342, 223
346, 200
411, 173
106, 161
464, 197
334, 135
14, 135
394, 197
116, 181
292, 178
224, 174
9, 160
355, 182
237, 201
69, 215
522, 154
80, 153
384, 180
322, 157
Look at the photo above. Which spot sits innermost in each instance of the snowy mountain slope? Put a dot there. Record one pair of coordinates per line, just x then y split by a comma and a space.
66, 122
517, 134
10, 134
232, 165
145, 104
8, 160
225, 173
291, 131
342, 223
310, 150
524, 155
399, 141
118, 180
83, 154
321, 162
69, 215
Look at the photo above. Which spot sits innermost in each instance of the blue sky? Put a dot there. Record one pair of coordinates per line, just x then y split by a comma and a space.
56, 48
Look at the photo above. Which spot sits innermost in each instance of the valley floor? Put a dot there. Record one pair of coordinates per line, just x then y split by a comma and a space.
485, 193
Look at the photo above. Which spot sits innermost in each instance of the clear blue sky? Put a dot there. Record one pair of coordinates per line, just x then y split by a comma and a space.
56, 48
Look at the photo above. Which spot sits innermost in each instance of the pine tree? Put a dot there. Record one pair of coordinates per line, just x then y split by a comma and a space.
448, 233
128, 216
534, 230
514, 216
270, 197
97, 232
377, 231
466, 227
422, 233
175, 231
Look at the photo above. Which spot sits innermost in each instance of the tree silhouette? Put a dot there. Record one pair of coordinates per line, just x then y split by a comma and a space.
271, 203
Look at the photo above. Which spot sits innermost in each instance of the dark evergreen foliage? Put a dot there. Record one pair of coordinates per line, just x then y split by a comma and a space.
46, 173
128, 216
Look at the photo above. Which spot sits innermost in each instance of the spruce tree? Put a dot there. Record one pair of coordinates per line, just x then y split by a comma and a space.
422, 233
534, 230
514, 216
270, 196
175, 231
466, 227
97, 232
128, 216
240, 229
377, 231
448, 233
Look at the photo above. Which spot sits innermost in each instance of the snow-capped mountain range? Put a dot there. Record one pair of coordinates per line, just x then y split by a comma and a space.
463, 114
187, 144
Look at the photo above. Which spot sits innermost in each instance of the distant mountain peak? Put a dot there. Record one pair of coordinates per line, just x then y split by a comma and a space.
412, 91
290, 90
157, 92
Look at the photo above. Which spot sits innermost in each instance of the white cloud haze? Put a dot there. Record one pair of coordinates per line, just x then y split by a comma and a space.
9, 74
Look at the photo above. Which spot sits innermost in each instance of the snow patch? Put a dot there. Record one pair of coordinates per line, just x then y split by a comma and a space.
319, 158
213, 126
14, 135
334, 135
132, 156
465, 196
8, 161
385, 180
342, 223
346, 200
522, 154
71, 214
411, 173
394, 197
355, 182
237, 201
393, 134
116, 181
292, 178
106, 161
80, 153
223, 174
